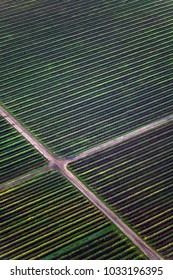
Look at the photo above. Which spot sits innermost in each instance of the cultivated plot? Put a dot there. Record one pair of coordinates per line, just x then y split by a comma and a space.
79, 74
17, 156
47, 218
135, 180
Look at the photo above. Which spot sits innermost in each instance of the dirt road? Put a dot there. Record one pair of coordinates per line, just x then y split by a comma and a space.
24, 178
148, 251
122, 138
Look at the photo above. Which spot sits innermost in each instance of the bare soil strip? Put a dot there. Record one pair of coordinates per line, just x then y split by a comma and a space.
25, 133
24, 178
122, 138
147, 250
61, 164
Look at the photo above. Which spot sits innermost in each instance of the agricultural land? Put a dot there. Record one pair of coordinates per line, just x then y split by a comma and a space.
86, 130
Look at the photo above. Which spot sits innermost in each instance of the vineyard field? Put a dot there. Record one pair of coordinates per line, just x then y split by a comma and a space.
135, 180
47, 218
80, 74
86, 130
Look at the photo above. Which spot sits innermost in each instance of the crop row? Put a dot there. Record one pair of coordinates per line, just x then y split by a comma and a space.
91, 78
47, 217
17, 156
135, 180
